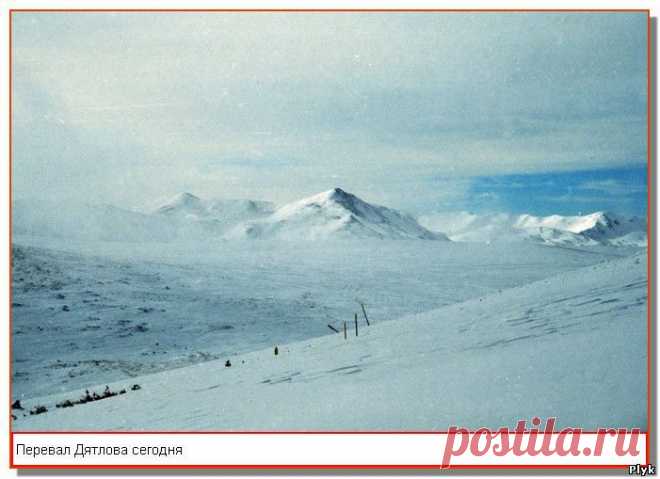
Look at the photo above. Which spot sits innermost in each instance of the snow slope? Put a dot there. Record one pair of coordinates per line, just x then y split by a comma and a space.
572, 346
589, 230
86, 312
334, 214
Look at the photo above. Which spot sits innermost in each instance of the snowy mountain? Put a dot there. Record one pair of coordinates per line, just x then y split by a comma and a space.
600, 228
229, 212
335, 214
210, 218
184, 217
88, 222
183, 205
599, 225
583, 331
609, 227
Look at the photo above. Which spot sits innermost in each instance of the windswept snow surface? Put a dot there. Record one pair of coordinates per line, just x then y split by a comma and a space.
572, 346
88, 312
334, 214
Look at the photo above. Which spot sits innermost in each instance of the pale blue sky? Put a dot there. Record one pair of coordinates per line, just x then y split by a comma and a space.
410, 110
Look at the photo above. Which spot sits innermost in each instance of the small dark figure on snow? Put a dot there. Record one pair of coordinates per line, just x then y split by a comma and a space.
38, 410
277, 351
88, 396
135, 387
65, 403
228, 363
16, 404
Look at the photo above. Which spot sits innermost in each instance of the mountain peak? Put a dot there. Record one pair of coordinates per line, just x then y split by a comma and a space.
181, 202
336, 213
338, 192
184, 198
335, 194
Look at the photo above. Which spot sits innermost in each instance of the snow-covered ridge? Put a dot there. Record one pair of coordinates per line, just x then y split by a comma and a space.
599, 224
335, 214
182, 204
188, 206
332, 214
599, 228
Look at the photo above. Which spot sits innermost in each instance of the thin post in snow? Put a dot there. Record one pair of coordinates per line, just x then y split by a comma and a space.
356, 326
345, 335
364, 311
333, 328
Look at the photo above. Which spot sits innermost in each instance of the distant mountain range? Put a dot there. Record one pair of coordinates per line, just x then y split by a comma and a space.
600, 228
333, 214
187, 206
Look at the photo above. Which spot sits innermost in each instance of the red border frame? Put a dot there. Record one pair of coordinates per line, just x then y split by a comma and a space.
332, 466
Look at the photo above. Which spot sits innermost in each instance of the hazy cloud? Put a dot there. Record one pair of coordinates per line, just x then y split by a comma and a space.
128, 107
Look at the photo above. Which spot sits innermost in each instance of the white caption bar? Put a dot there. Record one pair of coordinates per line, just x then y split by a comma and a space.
222, 449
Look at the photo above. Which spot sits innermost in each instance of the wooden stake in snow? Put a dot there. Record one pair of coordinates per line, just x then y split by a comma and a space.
333, 328
345, 335
356, 326
364, 311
